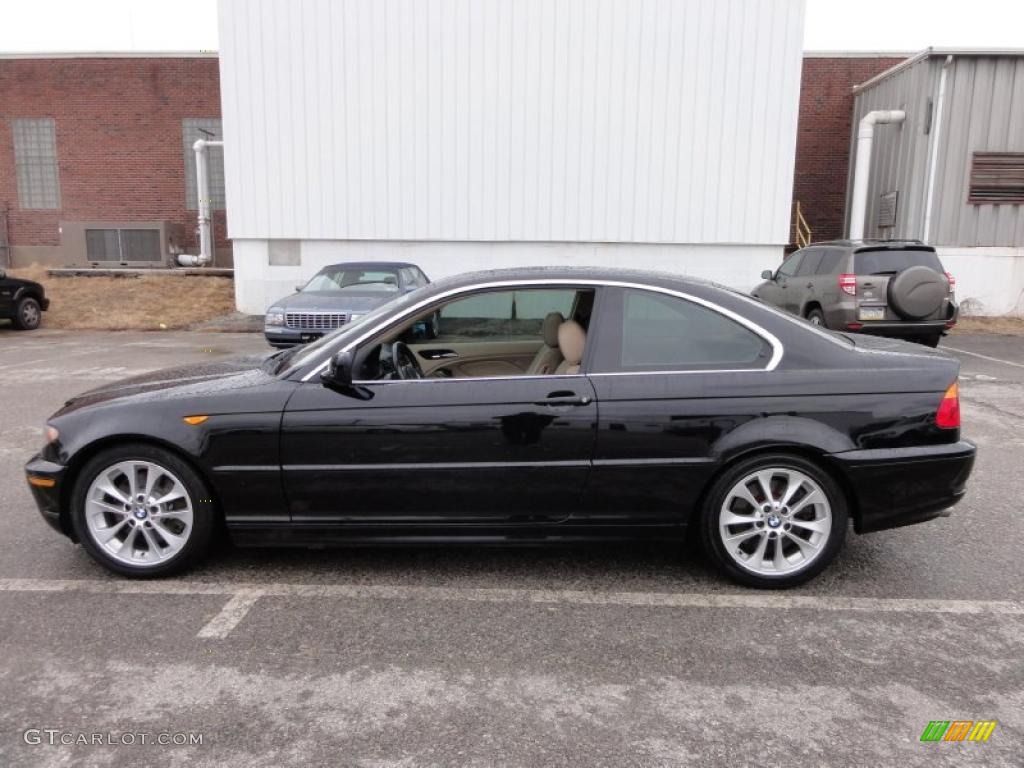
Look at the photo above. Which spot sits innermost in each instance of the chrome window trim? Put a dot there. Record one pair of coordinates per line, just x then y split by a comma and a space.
766, 335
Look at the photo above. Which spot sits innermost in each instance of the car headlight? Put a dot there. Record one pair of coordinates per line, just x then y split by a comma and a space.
275, 316
355, 318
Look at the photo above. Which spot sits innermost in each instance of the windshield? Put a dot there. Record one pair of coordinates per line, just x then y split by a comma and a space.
343, 279
892, 261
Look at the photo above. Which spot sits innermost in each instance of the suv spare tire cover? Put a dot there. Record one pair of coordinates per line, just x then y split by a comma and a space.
917, 292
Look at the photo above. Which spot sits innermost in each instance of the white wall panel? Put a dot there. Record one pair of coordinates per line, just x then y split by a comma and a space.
258, 284
536, 120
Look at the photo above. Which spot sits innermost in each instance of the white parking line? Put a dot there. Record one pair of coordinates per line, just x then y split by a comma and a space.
244, 595
234, 611
984, 357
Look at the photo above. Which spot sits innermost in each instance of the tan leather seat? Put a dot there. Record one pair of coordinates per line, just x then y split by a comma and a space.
548, 356
572, 339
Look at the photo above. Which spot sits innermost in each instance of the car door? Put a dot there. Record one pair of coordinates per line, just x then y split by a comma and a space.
7, 290
665, 372
803, 286
790, 287
460, 449
776, 291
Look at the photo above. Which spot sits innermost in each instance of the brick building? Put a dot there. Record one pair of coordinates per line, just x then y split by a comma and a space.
824, 131
104, 139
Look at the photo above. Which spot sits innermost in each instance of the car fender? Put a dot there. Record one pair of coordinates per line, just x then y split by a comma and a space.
781, 431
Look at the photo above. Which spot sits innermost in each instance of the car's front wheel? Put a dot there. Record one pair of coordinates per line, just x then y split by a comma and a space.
141, 511
774, 521
28, 314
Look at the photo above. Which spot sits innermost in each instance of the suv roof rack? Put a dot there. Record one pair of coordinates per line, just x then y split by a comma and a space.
871, 241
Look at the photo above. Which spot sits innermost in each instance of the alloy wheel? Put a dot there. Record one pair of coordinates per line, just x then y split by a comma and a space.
775, 521
29, 314
139, 512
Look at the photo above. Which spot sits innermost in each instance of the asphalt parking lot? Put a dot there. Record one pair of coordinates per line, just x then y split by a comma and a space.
614, 656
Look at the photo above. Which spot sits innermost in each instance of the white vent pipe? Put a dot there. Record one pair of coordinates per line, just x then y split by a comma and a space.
862, 169
205, 221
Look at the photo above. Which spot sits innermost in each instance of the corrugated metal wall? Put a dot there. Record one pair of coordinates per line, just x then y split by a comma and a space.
983, 111
537, 120
985, 101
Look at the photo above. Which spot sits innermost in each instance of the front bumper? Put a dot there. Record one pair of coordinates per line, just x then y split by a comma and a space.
894, 487
281, 336
47, 497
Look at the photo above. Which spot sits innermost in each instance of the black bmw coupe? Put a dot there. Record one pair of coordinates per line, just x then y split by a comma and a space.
553, 405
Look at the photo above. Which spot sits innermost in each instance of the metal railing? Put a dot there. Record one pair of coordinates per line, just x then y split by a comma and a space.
801, 230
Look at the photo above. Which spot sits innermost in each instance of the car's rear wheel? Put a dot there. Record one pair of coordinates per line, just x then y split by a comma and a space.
816, 317
141, 511
28, 314
774, 521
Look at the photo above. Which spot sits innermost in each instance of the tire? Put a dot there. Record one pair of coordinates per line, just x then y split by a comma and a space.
96, 511
931, 340
917, 292
798, 563
28, 314
816, 317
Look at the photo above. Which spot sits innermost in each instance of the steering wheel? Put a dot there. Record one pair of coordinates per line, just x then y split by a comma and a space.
404, 362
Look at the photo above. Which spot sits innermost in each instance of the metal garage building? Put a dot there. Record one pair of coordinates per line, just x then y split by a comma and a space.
952, 172
469, 135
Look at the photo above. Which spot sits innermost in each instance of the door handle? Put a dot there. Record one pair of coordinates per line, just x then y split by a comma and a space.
564, 398
438, 354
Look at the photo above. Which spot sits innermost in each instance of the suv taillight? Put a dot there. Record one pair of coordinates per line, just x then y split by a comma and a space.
848, 284
948, 415
952, 282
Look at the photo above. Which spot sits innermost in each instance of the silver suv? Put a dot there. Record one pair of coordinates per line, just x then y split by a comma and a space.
883, 287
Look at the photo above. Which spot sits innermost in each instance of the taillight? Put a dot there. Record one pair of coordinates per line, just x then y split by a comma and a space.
948, 415
952, 282
848, 284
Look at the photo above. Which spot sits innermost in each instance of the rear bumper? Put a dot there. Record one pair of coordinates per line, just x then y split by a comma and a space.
894, 487
903, 329
845, 313
47, 498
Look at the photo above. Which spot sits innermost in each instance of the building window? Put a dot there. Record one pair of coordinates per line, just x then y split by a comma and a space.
35, 160
193, 129
284, 253
997, 177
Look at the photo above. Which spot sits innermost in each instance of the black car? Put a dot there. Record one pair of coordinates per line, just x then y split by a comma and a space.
338, 295
22, 301
555, 405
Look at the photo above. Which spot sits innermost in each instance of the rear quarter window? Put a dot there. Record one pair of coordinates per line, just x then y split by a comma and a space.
892, 261
653, 331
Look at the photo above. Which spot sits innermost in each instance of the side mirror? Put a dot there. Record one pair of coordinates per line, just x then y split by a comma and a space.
767, 275
339, 371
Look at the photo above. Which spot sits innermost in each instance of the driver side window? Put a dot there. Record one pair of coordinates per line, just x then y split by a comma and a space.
790, 265
485, 335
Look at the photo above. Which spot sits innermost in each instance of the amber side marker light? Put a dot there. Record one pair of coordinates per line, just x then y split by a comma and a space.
41, 482
195, 420
948, 415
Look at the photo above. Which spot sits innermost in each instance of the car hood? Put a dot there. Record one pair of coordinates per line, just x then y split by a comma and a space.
329, 301
183, 381
18, 282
